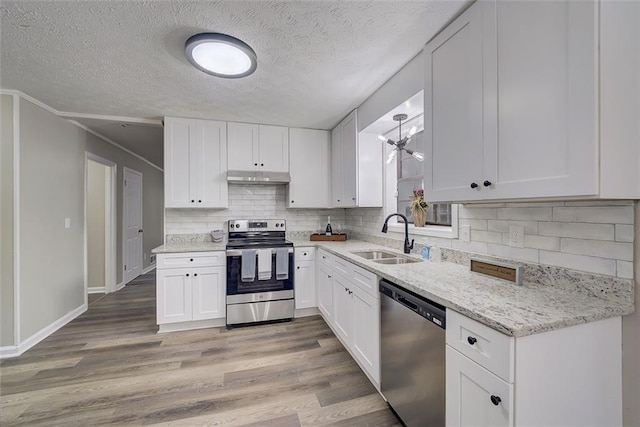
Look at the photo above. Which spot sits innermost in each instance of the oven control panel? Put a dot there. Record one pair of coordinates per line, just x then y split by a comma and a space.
238, 225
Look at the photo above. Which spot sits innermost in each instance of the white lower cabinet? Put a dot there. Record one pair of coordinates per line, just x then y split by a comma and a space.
475, 396
352, 310
189, 294
568, 376
305, 278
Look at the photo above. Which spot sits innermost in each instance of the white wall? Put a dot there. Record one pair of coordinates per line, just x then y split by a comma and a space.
631, 345
96, 197
248, 201
51, 189
6, 221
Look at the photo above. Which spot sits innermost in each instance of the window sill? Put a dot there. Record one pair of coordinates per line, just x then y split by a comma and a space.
429, 230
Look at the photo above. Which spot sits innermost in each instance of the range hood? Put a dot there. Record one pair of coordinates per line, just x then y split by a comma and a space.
257, 177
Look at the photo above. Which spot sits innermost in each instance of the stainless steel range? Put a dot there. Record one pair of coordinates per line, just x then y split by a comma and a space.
259, 272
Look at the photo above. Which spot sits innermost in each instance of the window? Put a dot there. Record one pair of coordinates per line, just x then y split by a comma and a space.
406, 174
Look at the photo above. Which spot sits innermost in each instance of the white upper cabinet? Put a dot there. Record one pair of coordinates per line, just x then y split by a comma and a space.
310, 168
356, 167
195, 163
258, 147
512, 93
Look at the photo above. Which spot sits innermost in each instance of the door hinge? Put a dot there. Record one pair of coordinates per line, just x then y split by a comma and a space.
125, 268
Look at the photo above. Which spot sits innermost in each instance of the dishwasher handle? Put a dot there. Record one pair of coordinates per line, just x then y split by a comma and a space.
428, 309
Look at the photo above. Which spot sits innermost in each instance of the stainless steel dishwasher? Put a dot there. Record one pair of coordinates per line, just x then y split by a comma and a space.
412, 356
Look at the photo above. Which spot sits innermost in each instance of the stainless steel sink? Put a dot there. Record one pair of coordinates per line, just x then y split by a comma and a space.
396, 261
375, 255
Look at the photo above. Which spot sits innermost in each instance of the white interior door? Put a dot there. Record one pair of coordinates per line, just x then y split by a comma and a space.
132, 224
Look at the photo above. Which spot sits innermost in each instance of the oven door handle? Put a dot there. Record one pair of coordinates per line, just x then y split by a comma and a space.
238, 252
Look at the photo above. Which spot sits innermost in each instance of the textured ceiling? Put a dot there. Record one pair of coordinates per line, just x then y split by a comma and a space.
317, 60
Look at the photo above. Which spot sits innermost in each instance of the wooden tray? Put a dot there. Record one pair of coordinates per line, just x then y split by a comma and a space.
333, 238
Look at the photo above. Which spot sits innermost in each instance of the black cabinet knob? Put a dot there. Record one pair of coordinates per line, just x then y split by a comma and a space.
191, 260
292, 201
255, 164
486, 183
472, 340
199, 201
304, 253
261, 164
195, 274
187, 274
193, 201
474, 185
495, 400
298, 267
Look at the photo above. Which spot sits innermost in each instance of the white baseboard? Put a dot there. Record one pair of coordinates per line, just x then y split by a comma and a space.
120, 286
148, 269
43, 333
96, 290
195, 324
304, 312
9, 351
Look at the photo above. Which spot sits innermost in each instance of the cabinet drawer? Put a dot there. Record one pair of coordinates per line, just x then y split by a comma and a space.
305, 254
342, 267
191, 259
365, 280
487, 347
325, 258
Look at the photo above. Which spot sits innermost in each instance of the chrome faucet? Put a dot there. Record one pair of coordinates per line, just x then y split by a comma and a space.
407, 246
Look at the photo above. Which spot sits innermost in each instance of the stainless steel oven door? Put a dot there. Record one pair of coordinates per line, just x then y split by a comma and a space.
235, 286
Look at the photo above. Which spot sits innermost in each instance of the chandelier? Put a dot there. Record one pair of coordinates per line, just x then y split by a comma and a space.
402, 142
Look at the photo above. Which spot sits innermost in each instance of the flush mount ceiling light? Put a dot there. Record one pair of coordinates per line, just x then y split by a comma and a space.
221, 55
400, 144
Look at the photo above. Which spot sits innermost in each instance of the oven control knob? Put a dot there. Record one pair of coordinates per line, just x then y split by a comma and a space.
277, 225
282, 225
237, 225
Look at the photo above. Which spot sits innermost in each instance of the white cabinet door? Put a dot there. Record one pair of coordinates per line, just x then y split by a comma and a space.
208, 284
342, 308
547, 139
349, 153
305, 284
325, 292
243, 151
208, 152
475, 396
174, 295
274, 148
310, 168
366, 331
176, 163
337, 181
453, 109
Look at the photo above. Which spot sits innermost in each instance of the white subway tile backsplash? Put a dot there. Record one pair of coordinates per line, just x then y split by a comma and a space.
578, 230
477, 247
579, 262
477, 213
486, 236
539, 242
504, 251
624, 269
624, 233
502, 226
595, 214
475, 224
599, 203
599, 248
526, 214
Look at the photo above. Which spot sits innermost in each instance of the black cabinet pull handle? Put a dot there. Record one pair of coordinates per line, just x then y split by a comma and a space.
474, 185
495, 400
472, 340
486, 183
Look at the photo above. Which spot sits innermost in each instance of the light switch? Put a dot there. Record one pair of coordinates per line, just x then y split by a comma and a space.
67, 223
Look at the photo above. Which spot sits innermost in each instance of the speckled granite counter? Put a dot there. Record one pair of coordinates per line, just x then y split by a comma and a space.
189, 247
513, 310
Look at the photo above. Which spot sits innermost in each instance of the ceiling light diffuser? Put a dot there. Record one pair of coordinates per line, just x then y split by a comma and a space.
221, 55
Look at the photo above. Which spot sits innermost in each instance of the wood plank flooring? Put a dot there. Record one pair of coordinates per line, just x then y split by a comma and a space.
110, 367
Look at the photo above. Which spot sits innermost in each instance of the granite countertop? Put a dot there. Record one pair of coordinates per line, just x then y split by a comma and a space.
514, 310
189, 247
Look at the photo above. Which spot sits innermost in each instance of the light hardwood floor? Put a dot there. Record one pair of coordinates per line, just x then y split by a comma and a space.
110, 367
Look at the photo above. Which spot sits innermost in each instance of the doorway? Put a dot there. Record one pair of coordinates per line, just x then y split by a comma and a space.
132, 224
100, 226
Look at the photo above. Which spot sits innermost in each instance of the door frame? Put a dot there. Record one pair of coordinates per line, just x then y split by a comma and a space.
110, 225
124, 228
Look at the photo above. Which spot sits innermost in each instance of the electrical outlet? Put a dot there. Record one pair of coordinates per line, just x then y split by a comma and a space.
465, 233
516, 236
153, 259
